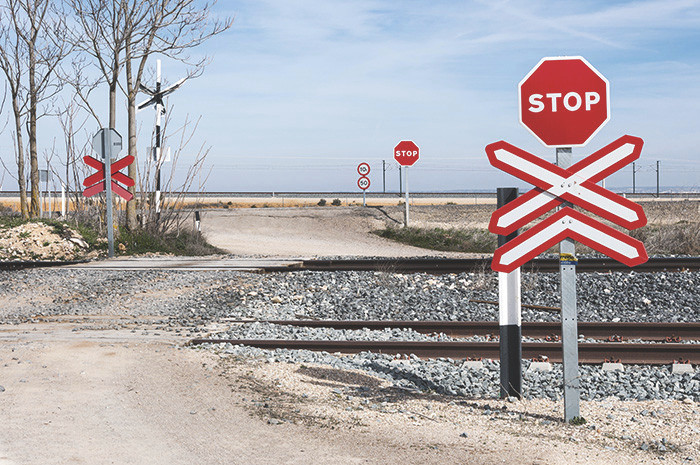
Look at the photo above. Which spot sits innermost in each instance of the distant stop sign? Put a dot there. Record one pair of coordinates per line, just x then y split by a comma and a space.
406, 153
564, 101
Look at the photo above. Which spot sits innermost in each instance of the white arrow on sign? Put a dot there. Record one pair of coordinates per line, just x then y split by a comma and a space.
567, 222
556, 184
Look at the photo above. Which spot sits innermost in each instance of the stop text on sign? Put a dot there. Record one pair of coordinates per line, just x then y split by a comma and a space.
407, 153
571, 101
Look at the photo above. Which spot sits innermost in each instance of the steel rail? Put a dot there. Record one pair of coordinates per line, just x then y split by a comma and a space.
13, 265
461, 265
589, 353
538, 329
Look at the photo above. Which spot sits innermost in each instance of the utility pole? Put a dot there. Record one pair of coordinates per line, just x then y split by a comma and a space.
384, 176
634, 178
657, 179
400, 182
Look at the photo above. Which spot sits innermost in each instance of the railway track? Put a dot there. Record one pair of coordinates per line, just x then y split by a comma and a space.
461, 265
389, 265
540, 329
589, 353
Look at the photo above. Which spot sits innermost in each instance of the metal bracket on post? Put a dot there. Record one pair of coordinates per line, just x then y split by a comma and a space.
509, 314
569, 324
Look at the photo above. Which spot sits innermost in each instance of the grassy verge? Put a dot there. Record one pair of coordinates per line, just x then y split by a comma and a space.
185, 243
449, 240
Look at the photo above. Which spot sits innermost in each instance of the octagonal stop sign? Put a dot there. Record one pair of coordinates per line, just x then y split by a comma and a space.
564, 101
406, 153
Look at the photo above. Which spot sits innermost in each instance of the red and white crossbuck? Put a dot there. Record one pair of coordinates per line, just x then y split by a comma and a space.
96, 183
577, 185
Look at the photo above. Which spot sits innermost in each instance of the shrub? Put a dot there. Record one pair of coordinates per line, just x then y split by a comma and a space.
322, 203
453, 240
336, 202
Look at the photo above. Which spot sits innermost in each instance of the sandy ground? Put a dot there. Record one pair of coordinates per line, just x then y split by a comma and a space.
96, 396
329, 231
74, 393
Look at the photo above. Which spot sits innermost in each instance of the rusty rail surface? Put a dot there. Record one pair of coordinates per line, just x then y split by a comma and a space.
589, 353
461, 265
596, 330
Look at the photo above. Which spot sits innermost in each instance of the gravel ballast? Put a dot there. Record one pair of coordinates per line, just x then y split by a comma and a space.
191, 302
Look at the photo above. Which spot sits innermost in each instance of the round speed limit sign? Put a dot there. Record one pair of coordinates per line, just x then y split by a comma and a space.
363, 183
363, 169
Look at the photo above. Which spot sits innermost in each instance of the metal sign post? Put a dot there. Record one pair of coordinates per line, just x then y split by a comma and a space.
106, 153
108, 143
405, 180
363, 183
569, 325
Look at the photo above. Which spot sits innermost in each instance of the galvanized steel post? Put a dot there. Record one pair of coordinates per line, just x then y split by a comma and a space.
569, 324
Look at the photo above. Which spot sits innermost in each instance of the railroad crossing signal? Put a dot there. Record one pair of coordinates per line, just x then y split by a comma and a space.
96, 182
576, 185
568, 223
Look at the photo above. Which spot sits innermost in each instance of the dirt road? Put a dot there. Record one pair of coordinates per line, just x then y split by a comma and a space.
329, 231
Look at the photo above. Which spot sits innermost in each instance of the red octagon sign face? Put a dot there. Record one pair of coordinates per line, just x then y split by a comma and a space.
406, 153
564, 101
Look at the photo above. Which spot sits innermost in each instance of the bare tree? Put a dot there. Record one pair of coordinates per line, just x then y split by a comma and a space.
169, 28
31, 47
13, 62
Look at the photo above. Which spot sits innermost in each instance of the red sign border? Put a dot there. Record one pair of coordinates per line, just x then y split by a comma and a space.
365, 164
417, 148
588, 184
593, 68
368, 183
568, 211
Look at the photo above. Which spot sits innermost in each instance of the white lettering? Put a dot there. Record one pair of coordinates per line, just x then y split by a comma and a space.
567, 99
591, 99
536, 102
553, 97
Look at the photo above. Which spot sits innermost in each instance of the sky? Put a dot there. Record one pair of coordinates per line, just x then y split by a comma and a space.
299, 92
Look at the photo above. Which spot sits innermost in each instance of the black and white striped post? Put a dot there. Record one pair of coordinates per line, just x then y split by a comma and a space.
509, 314
156, 99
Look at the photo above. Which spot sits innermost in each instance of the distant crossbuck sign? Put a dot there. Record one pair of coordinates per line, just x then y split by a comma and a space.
576, 185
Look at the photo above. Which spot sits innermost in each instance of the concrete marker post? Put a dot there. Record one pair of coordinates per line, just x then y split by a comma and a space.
509, 312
